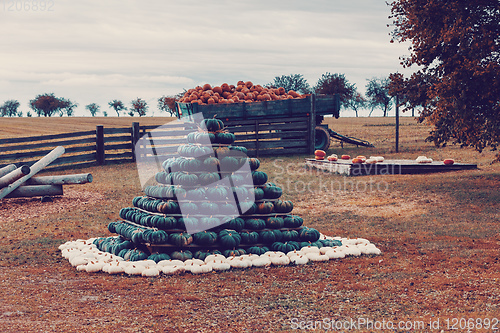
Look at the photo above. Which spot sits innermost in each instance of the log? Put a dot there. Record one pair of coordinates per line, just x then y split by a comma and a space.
36, 191
6, 169
14, 175
39, 165
82, 178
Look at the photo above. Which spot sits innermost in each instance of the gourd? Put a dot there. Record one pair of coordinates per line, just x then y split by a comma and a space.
157, 257
208, 178
357, 160
229, 238
205, 238
209, 208
249, 237
290, 235
448, 161
271, 191
258, 193
265, 207
202, 255
254, 163
345, 157
186, 223
293, 221
259, 177
229, 164
233, 252
180, 239
235, 224
255, 224
259, 250
330, 242
285, 246
217, 193
225, 137
269, 236
283, 206
212, 125
182, 255
275, 222
307, 234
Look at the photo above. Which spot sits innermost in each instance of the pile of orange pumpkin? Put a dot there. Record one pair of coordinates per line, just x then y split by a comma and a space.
242, 92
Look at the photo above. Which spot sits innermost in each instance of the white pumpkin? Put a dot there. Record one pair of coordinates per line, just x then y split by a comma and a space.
198, 269
116, 267
173, 269
335, 253
299, 260
150, 271
263, 261
94, 266
134, 269
325, 249
214, 257
219, 265
316, 256
239, 262
170, 262
309, 249
351, 250
194, 261
280, 260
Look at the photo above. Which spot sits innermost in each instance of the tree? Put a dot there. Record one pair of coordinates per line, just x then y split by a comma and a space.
9, 108
117, 105
377, 92
331, 84
139, 106
357, 102
167, 104
48, 104
93, 108
456, 45
295, 82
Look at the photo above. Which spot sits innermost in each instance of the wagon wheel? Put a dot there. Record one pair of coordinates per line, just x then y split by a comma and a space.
322, 140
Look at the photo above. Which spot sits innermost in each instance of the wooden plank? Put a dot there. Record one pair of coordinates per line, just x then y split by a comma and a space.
124, 138
47, 137
177, 124
50, 144
127, 155
272, 135
277, 151
99, 143
39, 165
82, 178
121, 146
159, 142
60, 167
117, 130
168, 134
36, 191
75, 158
83, 149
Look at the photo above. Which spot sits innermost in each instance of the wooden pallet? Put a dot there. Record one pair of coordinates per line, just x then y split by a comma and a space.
388, 167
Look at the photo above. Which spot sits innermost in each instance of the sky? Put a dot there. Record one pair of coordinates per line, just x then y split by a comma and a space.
96, 51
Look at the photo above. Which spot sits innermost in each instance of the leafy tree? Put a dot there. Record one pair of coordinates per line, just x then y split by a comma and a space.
93, 108
104, 113
331, 84
139, 106
117, 105
377, 92
48, 104
9, 108
167, 104
357, 102
295, 82
456, 45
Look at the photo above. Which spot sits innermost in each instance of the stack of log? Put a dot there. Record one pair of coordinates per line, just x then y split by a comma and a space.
18, 182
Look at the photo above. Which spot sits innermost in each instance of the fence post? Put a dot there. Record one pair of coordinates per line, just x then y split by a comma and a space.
99, 144
312, 124
136, 135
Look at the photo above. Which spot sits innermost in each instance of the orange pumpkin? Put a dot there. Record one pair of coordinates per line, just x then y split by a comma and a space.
319, 158
206, 86
217, 90
320, 153
448, 161
345, 157
357, 160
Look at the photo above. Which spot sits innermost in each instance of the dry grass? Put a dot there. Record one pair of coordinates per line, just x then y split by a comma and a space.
439, 234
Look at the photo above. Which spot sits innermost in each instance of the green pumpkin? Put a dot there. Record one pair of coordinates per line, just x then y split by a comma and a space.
233, 253
202, 255
274, 222
225, 138
185, 223
272, 191
208, 222
157, 257
182, 255
259, 177
290, 235
283, 206
222, 152
229, 164
293, 221
168, 207
254, 163
211, 164
239, 149
255, 224
208, 178
249, 237
265, 207
259, 250
189, 208
267, 237
285, 247
180, 239
307, 234
212, 125
217, 193
205, 238
317, 244
235, 224
229, 238
330, 242
208, 208
197, 194
259, 193
165, 222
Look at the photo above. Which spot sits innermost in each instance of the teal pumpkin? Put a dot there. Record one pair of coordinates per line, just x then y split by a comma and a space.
259, 177
182, 255
235, 224
285, 246
205, 238
293, 221
274, 222
255, 224
233, 252
249, 237
212, 125
229, 238
283, 207
180, 239
307, 234
259, 250
290, 235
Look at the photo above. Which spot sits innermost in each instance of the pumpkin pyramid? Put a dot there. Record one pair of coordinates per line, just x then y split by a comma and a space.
205, 202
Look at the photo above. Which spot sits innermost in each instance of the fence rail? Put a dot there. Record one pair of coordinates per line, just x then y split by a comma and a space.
262, 137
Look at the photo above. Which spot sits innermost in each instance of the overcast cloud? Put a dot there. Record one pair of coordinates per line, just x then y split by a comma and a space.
96, 51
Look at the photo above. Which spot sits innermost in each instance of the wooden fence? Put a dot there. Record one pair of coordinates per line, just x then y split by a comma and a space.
262, 137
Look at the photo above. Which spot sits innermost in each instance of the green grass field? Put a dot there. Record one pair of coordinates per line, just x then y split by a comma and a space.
439, 235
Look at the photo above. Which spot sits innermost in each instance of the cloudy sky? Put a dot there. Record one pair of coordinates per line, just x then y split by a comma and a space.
95, 51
